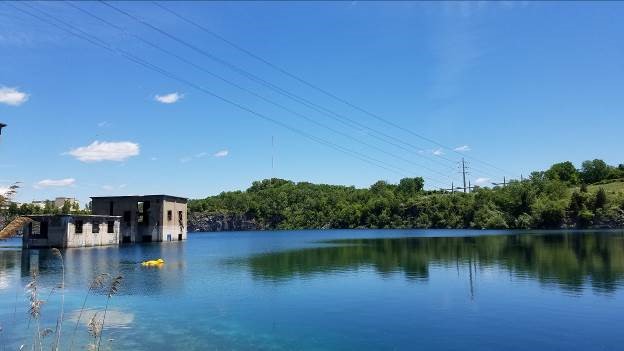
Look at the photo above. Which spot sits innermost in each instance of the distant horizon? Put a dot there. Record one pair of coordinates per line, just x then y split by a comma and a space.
328, 93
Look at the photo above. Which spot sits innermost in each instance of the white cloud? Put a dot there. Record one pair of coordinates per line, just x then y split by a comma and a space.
12, 96
105, 151
221, 153
438, 152
169, 98
201, 154
481, 181
46, 183
462, 148
112, 187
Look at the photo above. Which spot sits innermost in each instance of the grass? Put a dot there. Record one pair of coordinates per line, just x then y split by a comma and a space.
615, 187
36, 309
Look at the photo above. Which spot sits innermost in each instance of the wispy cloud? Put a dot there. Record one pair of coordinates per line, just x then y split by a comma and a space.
113, 187
186, 159
438, 152
47, 183
4, 190
153, 158
169, 98
462, 148
482, 181
201, 154
12, 96
104, 124
105, 151
221, 153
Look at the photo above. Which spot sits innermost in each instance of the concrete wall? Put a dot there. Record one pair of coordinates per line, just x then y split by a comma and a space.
128, 229
88, 237
62, 232
171, 229
158, 227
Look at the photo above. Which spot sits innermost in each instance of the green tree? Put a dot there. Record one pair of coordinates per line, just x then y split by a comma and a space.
594, 171
67, 207
564, 171
601, 198
410, 186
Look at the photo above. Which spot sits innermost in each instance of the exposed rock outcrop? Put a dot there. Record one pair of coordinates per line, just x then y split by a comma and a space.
218, 222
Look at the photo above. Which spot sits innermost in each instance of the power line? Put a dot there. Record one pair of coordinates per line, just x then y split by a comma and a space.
315, 87
100, 43
272, 86
238, 86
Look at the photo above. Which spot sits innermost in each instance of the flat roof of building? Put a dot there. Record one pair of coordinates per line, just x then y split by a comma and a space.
161, 196
70, 215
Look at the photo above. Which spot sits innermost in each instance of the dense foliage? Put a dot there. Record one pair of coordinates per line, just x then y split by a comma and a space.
555, 198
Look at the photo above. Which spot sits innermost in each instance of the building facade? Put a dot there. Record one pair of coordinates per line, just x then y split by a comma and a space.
59, 202
63, 231
146, 218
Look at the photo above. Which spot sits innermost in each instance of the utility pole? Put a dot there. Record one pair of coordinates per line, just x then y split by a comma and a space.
504, 183
464, 173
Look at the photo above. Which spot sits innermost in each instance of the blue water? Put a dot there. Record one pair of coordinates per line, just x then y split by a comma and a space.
342, 290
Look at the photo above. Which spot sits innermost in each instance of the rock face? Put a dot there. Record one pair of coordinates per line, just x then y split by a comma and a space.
217, 222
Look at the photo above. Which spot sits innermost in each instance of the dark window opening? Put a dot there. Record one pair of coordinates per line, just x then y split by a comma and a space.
180, 236
169, 215
110, 208
143, 212
95, 227
126, 240
127, 217
78, 225
110, 226
146, 238
43, 229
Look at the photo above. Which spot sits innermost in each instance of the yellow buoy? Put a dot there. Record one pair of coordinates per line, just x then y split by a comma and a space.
157, 262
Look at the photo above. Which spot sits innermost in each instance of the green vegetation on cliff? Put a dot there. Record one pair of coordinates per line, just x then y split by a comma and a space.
561, 196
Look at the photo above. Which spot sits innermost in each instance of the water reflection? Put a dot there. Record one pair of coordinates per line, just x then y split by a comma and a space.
570, 261
81, 266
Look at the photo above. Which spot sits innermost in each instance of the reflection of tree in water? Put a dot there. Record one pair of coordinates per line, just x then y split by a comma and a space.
568, 260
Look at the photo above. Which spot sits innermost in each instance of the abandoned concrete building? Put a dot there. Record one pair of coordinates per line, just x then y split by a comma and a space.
145, 218
114, 220
69, 230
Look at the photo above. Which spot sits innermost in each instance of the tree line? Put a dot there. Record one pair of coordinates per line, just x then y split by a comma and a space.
562, 196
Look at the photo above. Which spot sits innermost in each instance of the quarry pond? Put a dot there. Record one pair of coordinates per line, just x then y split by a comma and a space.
331, 289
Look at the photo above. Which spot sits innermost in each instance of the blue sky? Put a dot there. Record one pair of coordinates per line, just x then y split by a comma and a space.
519, 85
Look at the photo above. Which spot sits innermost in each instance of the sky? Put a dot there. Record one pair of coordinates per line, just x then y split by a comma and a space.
227, 93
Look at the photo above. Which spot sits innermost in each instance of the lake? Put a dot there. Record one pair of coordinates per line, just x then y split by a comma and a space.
334, 289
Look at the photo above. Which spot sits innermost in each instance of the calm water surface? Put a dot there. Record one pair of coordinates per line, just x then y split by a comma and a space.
344, 290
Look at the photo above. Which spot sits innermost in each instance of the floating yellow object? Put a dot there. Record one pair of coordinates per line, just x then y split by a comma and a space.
157, 262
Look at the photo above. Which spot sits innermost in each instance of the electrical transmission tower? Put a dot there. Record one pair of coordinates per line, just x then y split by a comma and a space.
464, 171
504, 183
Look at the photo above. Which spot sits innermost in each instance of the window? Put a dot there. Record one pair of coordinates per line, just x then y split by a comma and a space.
127, 217
143, 212
95, 227
78, 225
43, 229
111, 226
169, 215
180, 217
